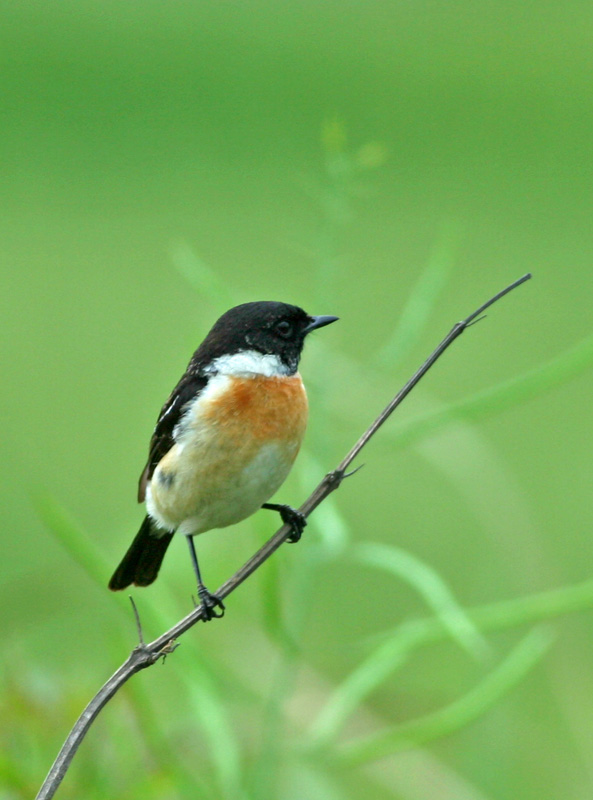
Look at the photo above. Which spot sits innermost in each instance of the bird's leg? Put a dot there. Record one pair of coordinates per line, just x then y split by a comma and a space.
209, 601
290, 516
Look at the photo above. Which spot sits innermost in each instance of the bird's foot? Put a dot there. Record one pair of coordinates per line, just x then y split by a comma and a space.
290, 516
210, 603
296, 520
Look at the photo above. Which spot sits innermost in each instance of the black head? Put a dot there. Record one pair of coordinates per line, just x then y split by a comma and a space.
266, 327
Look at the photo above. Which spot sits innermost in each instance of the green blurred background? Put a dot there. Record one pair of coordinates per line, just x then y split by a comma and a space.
395, 164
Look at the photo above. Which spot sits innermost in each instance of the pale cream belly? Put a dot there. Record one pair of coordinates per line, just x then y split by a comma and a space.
230, 457
184, 496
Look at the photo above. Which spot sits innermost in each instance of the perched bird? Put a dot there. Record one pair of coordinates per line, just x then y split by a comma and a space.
226, 438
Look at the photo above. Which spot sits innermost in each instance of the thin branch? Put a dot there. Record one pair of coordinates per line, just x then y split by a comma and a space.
145, 655
138, 623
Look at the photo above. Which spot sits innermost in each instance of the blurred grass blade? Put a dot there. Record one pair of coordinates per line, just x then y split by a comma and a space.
331, 529
423, 298
163, 750
458, 714
312, 782
73, 538
330, 525
433, 589
392, 654
201, 277
382, 662
187, 663
222, 741
269, 583
506, 395
504, 614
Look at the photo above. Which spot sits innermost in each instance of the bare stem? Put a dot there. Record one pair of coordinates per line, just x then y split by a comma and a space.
144, 655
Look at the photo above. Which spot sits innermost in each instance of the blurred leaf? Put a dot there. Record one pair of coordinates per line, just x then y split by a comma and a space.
422, 300
269, 583
163, 751
311, 783
458, 714
188, 663
502, 615
534, 607
202, 277
385, 659
499, 398
223, 744
429, 584
73, 538
396, 646
331, 529
330, 524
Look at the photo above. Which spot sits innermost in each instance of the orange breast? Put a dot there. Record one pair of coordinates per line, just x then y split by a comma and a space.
270, 409
234, 453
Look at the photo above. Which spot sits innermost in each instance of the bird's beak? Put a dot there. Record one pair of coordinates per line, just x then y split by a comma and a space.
319, 322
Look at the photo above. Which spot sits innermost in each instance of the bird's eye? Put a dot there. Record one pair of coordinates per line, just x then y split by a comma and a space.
284, 328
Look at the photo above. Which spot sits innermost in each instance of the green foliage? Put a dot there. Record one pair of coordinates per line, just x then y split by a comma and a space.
166, 165
462, 712
257, 773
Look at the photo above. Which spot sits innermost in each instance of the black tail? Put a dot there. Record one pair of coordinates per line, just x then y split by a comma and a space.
142, 562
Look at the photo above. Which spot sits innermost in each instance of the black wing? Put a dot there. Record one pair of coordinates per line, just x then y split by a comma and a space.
188, 388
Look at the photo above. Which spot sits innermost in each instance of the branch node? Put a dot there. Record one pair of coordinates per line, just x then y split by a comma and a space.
474, 321
335, 478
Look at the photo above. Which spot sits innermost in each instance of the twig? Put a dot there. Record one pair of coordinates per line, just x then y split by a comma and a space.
138, 623
145, 655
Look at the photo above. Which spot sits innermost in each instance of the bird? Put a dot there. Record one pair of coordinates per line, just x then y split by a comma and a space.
225, 439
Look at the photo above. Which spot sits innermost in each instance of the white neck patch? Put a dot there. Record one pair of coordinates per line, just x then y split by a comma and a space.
249, 363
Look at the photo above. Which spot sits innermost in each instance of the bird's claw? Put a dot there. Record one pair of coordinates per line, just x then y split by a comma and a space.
209, 603
296, 520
